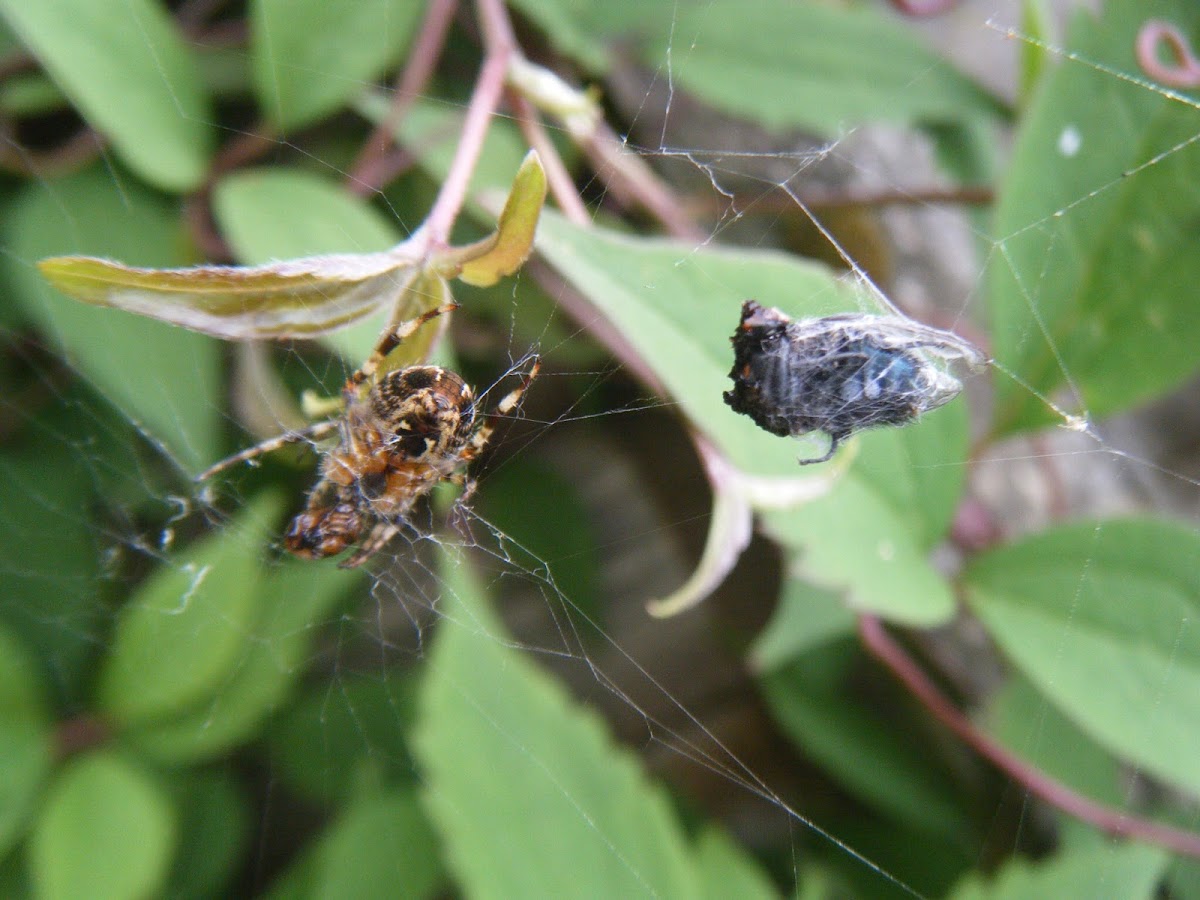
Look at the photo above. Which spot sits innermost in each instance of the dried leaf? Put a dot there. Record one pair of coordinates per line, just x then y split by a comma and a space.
297, 298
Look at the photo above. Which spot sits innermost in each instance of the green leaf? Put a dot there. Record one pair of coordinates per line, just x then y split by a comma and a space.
869, 538
1091, 283
272, 214
162, 378
276, 213
530, 795
293, 601
26, 739
48, 544
311, 56
30, 95
586, 31
331, 740
290, 225
106, 831
546, 526
1183, 877
1035, 53
380, 846
185, 632
863, 750
1023, 719
1096, 616
214, 827
812, 66
805, 618
726, 870
131, 75
729, 530
1130, 871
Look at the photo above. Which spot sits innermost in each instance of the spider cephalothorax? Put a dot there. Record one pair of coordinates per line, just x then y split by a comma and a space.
839, 374
400, 435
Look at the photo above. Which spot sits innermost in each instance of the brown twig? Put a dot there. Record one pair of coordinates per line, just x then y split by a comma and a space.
243, 148
562, 186
633, 181
500, 45
17, 62
972, 195
567, 297
372, 163
71, 155
85, 732
1113, 821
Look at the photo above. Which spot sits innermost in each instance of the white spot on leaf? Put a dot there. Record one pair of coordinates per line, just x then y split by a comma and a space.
1069, 141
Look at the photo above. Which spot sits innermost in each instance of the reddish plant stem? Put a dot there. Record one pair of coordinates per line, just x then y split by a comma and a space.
242, 149
500, 46
193, 14
197, 215
370, 170
635, 183
197, 212
583, 311
1184, 72
71, 155
15, 63
383, 171
774, 203
924, 7
562, 186
1113, 821
973, 195
81, 733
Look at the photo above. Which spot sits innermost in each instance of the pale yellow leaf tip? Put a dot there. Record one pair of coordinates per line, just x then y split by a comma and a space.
728, 534
506, 250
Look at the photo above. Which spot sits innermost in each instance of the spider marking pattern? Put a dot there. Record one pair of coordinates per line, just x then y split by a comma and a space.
839, 374
400, 435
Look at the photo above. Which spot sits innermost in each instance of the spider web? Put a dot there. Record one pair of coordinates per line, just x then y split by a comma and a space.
590, 438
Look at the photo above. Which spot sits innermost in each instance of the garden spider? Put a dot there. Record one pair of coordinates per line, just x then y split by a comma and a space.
400, 436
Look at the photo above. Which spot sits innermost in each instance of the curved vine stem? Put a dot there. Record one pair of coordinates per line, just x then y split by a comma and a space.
1113, 821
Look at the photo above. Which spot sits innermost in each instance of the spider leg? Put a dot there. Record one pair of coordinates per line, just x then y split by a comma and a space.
834, 440
393, 338
510, 402
469, 485
377, 537
312, 432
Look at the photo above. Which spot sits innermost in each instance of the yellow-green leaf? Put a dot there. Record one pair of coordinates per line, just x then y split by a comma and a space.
506, 249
